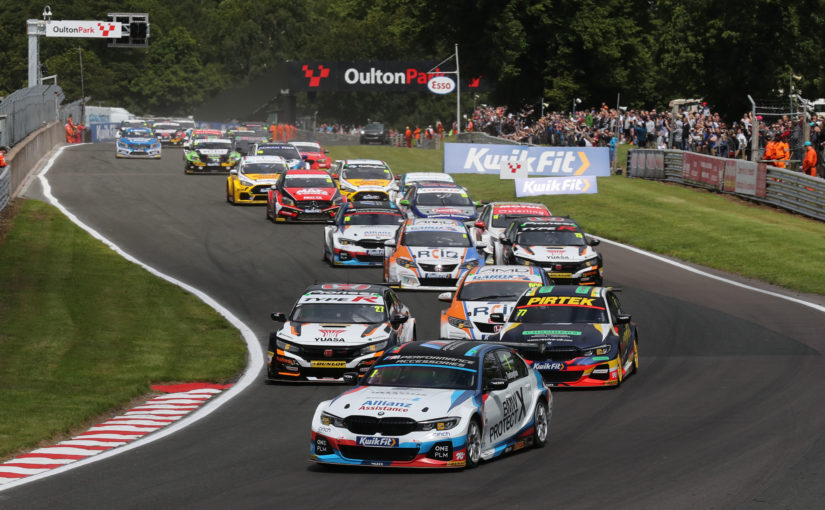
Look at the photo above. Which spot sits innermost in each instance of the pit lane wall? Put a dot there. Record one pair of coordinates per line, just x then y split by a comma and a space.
23, 159
787, 189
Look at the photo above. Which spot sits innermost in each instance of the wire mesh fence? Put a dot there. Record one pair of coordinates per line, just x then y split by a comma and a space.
27, 110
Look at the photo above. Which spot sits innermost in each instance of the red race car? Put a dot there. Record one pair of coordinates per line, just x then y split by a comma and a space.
314, 154
303, 195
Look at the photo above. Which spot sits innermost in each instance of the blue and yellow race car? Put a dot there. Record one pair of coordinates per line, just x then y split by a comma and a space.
138, 142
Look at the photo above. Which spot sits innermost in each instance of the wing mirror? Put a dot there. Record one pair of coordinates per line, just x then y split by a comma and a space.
497, 384
480, 224
506, 241
593, 242
623, 318
404, 202
233, 172
447, 297
350, 378
278, 317
398, 319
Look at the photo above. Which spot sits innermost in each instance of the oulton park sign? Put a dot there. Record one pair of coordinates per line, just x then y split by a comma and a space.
93, 29
370, 76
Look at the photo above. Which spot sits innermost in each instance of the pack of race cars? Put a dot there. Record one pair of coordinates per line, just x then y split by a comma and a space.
525, 306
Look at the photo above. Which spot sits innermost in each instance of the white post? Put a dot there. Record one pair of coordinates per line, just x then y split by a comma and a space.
33, 27
457, 92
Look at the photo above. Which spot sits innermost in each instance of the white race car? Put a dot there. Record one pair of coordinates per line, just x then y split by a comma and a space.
413, 178
336, 328
496, 216
429, 254
437, 405
483, 291
358, 232
557, 244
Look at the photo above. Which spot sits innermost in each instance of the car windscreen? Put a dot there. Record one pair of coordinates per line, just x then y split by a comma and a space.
284, 152
434, 238
187, 124
504, 220
373, 218
138, 133
132, 123
366, 172
304, 181
374, 127
455, 199
594, 313
206, 144
404, 375
263, 168
307, 147
339, 313
166, 127
508, 290
544, 237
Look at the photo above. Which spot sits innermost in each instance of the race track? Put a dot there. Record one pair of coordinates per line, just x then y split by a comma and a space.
727, 410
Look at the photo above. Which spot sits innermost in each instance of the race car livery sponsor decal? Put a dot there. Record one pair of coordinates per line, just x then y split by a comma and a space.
327, 364
548, 365
520, 210
561, 300
314, 298
514, 409
176, 402
485, 310
376, 442
386, 405
551, 332
433, 360
213, 152
438, 253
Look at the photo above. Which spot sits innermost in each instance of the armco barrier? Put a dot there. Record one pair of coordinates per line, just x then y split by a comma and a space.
793, 191
4, 187
24, 156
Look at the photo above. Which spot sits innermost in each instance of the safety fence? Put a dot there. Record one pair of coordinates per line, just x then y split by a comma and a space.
787, 189
5, 184
26, 110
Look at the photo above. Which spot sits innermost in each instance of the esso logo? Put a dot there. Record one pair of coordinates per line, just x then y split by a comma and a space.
441, 84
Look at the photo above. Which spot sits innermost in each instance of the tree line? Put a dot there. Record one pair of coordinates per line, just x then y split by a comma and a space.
554, 51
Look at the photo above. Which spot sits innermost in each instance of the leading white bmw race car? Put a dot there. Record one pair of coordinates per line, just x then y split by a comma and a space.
435, 404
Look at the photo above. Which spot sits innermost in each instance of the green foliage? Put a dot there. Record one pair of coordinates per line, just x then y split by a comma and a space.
649, 51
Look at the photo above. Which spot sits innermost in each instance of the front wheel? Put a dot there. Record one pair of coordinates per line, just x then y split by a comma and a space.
541, 425
472, 444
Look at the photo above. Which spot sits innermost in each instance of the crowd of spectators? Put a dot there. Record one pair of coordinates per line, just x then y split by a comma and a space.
694, 128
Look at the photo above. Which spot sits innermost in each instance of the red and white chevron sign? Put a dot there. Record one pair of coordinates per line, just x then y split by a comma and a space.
513, 170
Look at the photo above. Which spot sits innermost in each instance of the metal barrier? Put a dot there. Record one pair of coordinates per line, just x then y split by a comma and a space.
478, 137
786, 189
5, 184
27, 110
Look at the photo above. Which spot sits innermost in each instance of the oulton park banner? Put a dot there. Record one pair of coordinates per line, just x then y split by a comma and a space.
377, 76
471, 158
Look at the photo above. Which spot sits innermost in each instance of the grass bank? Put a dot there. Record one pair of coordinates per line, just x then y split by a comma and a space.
706, 228
83, 331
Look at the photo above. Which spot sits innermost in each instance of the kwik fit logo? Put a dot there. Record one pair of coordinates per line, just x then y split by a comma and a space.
381, 442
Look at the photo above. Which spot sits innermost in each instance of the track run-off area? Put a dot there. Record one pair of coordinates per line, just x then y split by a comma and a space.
727, 410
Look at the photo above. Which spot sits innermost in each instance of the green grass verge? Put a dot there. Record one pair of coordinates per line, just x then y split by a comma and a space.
83, 331
706, 228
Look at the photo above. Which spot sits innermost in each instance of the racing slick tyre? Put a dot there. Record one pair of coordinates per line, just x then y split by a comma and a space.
619, 372
635, 355
541, 425
230, 197
472, 443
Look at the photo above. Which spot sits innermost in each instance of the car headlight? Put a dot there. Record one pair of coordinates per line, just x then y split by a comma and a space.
330, 420
122, 145
601, 350
469, 264
245, 181
594, 262
409, 264
287, 347
287, 201
346, 186
456, 322
193, 156
156, 145
522, 261
372, 348
439, 424
346, 241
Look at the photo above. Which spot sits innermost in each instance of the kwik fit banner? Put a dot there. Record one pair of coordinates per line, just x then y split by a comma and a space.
472, 158
556, 186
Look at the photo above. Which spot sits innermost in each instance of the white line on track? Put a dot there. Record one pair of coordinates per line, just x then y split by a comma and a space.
254, 366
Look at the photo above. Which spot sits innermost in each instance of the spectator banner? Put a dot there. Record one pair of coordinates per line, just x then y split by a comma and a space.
556, 186
513, 170
704, 169
104, 132
745, 177
648, 164
471, 158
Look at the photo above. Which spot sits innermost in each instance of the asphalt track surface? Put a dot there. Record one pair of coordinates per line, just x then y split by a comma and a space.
727, 410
